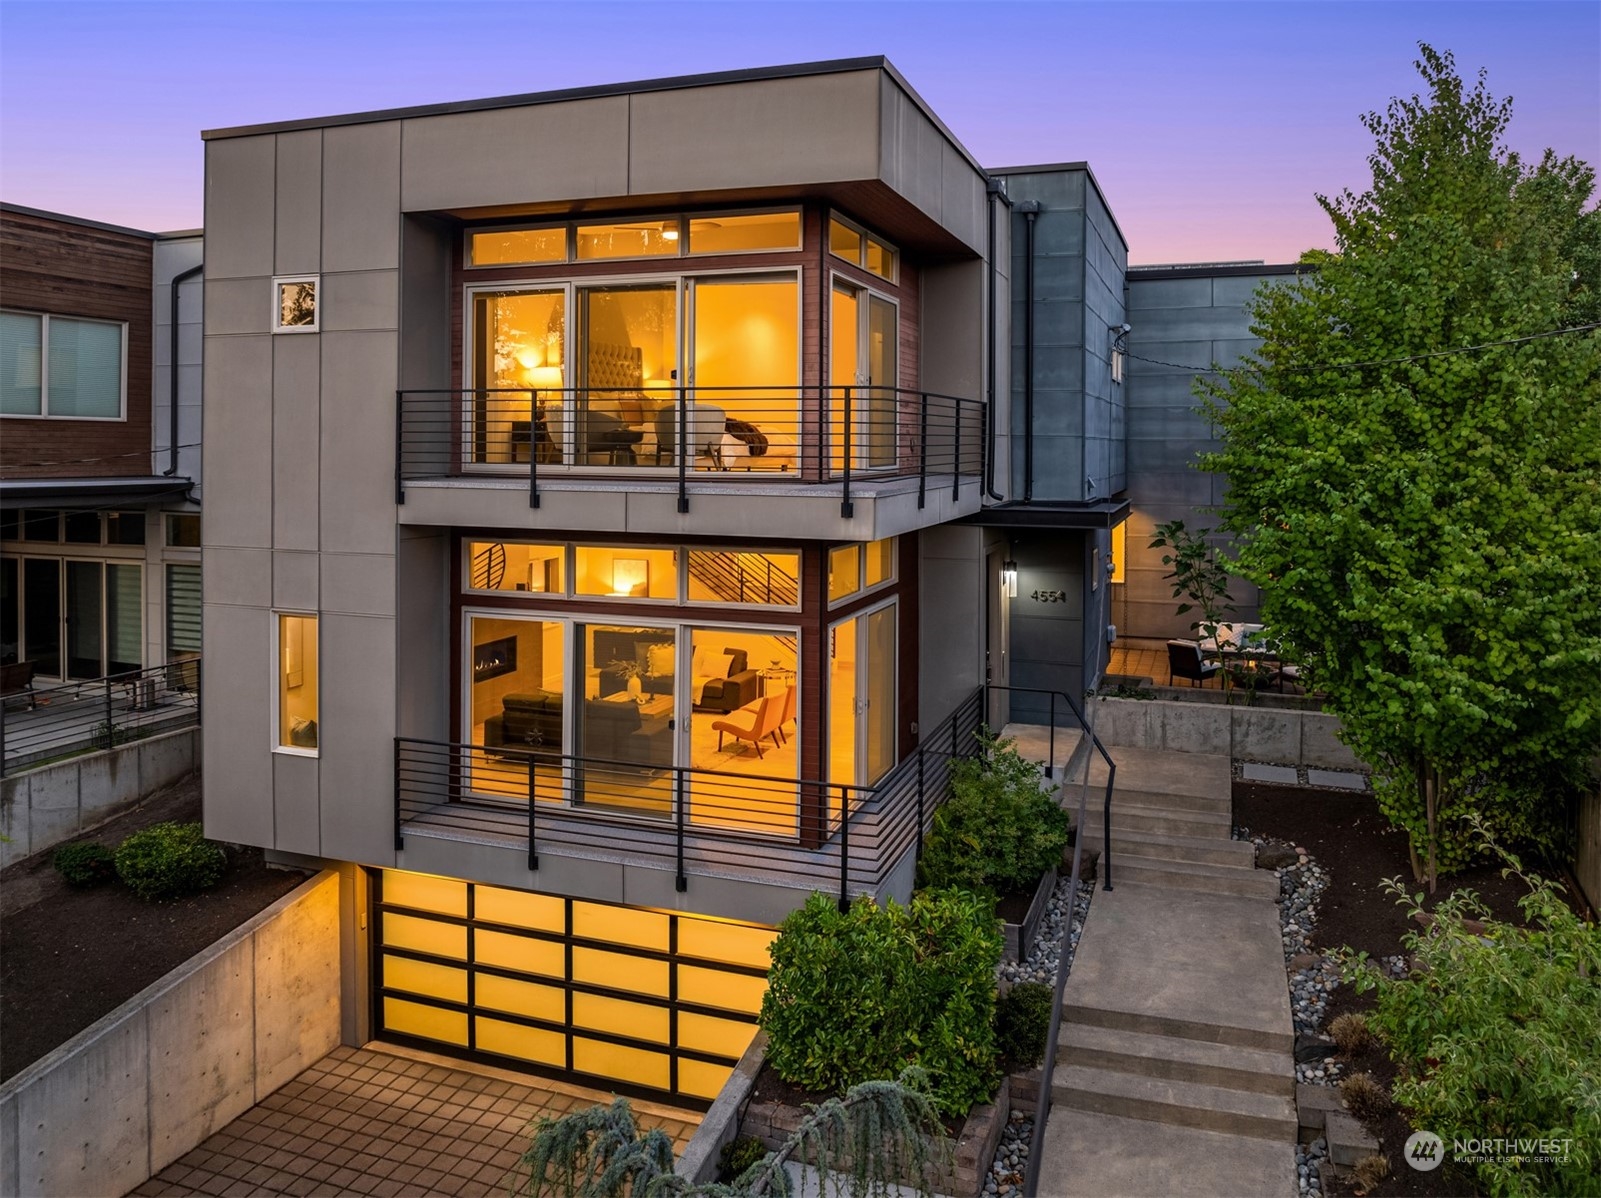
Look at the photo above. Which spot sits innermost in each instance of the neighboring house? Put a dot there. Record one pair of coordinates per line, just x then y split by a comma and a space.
100, 525
610, 491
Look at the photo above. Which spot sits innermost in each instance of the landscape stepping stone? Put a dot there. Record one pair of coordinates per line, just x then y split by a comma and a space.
1336, 780
1281, 775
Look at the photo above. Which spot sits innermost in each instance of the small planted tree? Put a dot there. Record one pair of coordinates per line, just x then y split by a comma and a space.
879, 1134
1497, 1033
1198, 575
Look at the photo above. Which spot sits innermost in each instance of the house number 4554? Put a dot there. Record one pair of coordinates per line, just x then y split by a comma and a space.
1048, 596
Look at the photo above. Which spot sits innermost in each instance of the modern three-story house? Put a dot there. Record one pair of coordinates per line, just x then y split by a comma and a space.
619, 498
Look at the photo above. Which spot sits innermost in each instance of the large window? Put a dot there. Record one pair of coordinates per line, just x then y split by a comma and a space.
297, 684
740, 577
61, 367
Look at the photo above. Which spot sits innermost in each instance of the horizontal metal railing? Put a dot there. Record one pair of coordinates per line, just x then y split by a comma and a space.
815, 436
816, 834
98, 713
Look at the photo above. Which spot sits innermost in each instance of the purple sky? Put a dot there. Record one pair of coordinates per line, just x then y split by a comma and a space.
1209, 125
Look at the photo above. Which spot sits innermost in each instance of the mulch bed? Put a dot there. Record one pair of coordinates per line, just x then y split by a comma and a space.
69, 956
1349, 837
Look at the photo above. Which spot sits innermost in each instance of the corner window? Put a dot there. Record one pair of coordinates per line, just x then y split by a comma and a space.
61, 367
294, 307
297, 684
860, 567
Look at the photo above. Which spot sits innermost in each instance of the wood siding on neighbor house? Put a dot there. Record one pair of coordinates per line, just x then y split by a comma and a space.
67, 269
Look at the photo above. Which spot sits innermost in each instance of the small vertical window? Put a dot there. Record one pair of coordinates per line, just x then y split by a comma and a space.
297, 683
183, 531
183, 611
125, 528
844, 571
294, 308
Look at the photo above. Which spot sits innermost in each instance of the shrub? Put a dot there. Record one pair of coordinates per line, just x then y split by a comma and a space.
1364, 1097
1352, 1034
1001, 829
737, 1155
1022, 1022
84, 864
1496, 1034
1369, 1171
169, 860
862, 994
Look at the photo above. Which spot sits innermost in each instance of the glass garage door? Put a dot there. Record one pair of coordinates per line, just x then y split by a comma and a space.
624, 996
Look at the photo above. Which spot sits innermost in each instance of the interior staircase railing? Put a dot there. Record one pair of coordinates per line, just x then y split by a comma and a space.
746, 578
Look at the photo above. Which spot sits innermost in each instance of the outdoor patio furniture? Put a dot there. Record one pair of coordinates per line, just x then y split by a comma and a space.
1184, 660
16, 678
755, 721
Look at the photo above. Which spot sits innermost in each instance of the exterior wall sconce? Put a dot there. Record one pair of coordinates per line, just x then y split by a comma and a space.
1009, 578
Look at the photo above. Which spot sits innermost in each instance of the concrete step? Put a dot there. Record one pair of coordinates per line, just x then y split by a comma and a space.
1162, 1100
1193, 800
1132, 817
1176, 848
1272, 1038
1261, 1070
1164, 771
1088, 1155
1200, 877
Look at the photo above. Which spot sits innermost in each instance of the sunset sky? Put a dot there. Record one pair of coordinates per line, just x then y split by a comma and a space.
1209, 125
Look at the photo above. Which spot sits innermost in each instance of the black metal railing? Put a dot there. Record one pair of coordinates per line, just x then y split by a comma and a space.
814, 834
1042, 1105
99, 713
815, 436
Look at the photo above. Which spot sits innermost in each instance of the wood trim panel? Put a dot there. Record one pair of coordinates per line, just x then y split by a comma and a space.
75, 270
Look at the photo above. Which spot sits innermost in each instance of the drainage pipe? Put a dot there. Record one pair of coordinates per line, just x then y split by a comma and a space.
995, 192
1030, 210
172, 368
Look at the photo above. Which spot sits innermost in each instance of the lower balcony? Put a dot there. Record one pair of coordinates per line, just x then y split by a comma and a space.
693, 823
883, 459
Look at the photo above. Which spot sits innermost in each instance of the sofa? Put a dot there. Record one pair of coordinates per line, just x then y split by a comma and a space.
531, 720
737, 685
615, 730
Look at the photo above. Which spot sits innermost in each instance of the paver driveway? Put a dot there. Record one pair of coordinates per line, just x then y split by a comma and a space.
384, 1121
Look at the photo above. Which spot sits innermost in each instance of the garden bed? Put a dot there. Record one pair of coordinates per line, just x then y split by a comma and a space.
1350, 843
69, 956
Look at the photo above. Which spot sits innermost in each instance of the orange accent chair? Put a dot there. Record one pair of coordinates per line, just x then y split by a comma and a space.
788, 714
763, 716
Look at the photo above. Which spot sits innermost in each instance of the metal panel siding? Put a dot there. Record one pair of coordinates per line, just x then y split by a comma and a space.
358, 440
236, 718
361, 197
461, 160
238, 374
296, 457
240, 187
357, 702
298, 225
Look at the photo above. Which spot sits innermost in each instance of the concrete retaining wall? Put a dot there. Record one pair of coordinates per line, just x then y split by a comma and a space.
132, 1093
1247, 733
42, 807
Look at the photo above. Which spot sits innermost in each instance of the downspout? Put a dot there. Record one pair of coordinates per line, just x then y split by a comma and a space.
1030, 210
172, 370
993, 188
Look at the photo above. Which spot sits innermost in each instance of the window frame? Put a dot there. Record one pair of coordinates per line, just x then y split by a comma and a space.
862, 589
864, 236
682, 217
44, 412
276, 680
278, 281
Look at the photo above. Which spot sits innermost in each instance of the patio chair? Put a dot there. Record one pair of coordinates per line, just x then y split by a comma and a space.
754, 722
1184, 660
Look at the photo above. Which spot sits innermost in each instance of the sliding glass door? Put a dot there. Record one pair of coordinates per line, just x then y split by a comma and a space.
79, 619
862, 697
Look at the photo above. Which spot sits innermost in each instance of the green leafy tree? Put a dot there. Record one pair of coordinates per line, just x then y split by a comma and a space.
1199, 575
1414, 467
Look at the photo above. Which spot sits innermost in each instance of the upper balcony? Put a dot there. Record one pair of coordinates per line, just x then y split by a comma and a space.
856, 463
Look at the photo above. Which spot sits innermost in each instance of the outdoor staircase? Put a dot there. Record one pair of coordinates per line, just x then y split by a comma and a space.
1174, 1070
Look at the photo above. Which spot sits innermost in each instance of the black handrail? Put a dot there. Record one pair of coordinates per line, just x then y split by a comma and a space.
98, 713
1042, 1105
876, 825
788, 435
